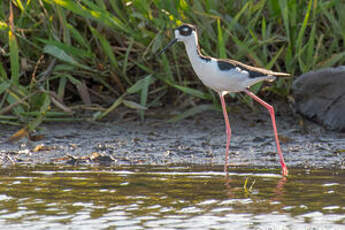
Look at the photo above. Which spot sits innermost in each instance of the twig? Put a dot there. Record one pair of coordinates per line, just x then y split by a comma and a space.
9, 107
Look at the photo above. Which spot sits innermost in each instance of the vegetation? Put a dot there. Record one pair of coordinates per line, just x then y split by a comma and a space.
65, 60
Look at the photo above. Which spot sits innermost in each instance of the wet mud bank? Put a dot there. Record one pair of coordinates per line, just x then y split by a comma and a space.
196, 141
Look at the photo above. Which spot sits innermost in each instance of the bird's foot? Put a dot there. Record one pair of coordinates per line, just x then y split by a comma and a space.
285, 171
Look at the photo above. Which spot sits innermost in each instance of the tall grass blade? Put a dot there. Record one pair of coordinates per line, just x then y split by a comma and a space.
77, 36
140, 84
285, 15
90, 10
63, 56
220, 45
117, 102
14, 57
69, 49
304, 26
44, 107
125, 61
4, 86
133, 105
332, 60
144, 95
3, 74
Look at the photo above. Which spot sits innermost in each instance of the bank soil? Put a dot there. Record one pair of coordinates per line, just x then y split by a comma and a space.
196, 141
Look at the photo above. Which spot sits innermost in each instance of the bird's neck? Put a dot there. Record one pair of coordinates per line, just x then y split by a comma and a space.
193, 50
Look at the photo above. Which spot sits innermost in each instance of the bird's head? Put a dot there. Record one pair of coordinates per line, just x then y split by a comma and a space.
183, 33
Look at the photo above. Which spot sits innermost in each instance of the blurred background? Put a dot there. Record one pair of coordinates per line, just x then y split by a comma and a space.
66, 60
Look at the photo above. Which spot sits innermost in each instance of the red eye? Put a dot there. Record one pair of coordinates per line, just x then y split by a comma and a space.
185, 31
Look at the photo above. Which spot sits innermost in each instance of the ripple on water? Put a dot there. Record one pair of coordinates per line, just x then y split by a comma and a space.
137, 198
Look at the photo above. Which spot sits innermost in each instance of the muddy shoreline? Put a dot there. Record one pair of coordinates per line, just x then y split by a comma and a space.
196, 141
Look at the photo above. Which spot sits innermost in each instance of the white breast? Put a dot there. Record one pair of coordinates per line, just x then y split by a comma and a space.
233, 80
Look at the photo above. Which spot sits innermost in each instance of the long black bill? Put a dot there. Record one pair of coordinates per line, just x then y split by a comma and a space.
172, 42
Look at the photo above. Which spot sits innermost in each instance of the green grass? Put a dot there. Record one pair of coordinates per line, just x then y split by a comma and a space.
60, 57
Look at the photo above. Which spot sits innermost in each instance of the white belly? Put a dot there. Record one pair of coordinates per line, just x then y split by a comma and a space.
231, 81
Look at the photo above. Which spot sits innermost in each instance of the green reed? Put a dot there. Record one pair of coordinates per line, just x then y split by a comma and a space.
59, 58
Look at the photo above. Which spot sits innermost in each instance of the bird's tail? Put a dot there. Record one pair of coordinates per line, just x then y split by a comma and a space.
280, 74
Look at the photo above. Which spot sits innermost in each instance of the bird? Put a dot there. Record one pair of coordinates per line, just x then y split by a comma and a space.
226, 76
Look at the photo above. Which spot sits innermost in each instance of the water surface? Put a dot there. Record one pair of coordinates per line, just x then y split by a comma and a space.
170, 198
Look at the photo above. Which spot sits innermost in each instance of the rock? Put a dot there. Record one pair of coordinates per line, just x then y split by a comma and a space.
320, 96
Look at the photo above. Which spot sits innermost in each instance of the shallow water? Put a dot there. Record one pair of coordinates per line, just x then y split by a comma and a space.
170, 198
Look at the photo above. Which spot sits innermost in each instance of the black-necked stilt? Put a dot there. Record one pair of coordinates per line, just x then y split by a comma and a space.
226, 76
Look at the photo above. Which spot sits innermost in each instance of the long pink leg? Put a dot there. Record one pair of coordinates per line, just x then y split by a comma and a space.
271, 110
228, 131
